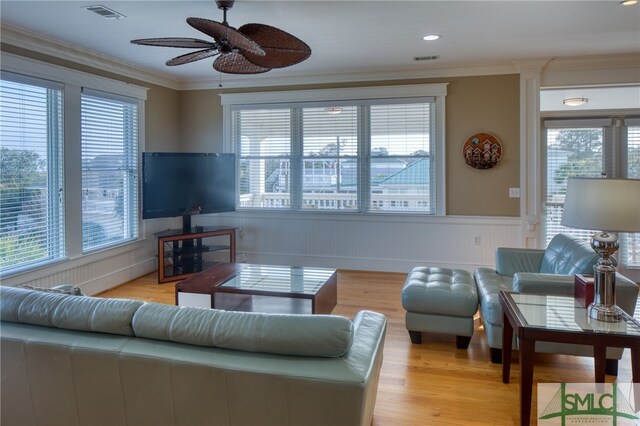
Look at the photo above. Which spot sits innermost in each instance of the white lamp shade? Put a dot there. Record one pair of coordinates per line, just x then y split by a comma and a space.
602, 204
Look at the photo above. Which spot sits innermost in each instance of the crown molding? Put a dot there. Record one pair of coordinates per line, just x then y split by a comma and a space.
626, 66
35, 42
629, 60
349, 77
605, 70
531, 65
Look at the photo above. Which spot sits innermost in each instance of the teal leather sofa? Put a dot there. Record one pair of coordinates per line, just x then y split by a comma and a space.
73, 360
550, 271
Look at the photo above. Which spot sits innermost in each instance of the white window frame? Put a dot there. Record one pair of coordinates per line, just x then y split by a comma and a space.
74, 81
437, 91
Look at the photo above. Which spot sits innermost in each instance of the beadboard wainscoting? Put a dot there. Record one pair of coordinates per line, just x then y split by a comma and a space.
343, 241
101, 270
368, 242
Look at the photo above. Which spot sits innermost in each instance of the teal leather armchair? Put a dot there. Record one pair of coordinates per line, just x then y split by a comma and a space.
550, 271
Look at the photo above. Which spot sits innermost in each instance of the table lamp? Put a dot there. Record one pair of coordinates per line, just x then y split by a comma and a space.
603, 204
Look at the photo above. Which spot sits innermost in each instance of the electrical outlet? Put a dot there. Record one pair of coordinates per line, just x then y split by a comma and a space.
476, 240
514, 192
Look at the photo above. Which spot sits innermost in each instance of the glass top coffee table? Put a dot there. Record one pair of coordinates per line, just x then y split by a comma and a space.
560, 319
261, 288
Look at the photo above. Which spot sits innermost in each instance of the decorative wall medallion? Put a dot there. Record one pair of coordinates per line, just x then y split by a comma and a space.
482, 151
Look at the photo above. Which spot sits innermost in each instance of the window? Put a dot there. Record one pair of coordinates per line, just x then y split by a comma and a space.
373, 154
31, 177
264, 147
401, 166
588, 148
109, 169
69, 144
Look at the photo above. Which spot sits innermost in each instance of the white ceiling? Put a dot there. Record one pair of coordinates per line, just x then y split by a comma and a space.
347, 37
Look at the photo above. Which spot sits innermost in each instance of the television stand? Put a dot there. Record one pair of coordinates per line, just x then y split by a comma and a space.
182, 254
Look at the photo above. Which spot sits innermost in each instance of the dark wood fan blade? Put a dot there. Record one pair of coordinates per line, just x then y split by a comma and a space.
224, 33
236, 63
192, 57
282, 49
192, 43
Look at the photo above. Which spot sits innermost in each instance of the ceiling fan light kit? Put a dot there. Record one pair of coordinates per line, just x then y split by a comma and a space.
250, 49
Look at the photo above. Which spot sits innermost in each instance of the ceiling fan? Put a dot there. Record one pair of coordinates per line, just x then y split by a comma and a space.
250, 49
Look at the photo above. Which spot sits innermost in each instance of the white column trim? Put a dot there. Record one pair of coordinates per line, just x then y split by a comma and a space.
530, 152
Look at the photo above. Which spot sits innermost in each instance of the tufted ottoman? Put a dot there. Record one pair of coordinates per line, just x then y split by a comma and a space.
440, 300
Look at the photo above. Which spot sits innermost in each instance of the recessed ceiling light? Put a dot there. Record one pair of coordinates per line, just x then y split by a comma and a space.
431, 37
629, 2
575, 101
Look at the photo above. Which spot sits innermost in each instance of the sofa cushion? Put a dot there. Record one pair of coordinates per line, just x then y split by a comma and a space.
302, 335
66, 311
567, 256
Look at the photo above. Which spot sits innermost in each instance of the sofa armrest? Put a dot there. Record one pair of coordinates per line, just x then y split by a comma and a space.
551, 284
512, 260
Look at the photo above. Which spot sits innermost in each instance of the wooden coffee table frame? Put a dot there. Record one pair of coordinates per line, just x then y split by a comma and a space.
529, 335
210, 280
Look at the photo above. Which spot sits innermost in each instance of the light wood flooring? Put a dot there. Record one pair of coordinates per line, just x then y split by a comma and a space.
429, 384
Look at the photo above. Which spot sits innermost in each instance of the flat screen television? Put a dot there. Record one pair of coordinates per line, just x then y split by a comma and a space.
185, 184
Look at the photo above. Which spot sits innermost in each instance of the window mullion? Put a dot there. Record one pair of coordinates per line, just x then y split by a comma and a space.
56, 164
296, 168
364, 158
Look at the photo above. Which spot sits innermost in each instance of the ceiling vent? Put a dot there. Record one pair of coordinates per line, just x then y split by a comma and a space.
105, 12
425, 58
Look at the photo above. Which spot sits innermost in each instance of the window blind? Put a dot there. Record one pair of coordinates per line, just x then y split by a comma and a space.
31, 177
572, 151
630, 244
633, 150
373, 155
329, 161
109, 169
589, 148
401, 168
263, 141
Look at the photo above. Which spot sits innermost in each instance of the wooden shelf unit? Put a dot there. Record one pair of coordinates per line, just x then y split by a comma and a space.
181, 255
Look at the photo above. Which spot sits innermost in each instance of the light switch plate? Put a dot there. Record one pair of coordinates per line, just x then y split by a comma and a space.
514, 192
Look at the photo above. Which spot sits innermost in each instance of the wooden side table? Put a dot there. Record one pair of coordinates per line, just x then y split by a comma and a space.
563, 320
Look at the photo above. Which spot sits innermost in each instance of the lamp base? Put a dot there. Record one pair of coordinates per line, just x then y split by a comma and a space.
604, 313
604, 306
